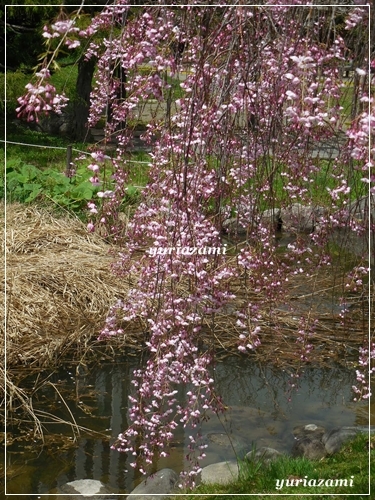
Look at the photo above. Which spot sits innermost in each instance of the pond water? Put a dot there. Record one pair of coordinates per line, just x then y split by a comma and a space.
264, 409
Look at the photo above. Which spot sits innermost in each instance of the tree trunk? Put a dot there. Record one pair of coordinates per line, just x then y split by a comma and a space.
82, 104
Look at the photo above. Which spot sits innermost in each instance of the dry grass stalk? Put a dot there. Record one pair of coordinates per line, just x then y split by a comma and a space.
315, 298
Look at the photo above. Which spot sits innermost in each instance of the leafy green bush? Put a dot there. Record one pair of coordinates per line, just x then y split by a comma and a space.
26, 183
65, 79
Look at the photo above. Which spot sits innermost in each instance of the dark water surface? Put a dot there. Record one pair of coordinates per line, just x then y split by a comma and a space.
264, 409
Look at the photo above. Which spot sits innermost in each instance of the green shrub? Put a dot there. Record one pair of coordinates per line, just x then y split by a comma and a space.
26, 183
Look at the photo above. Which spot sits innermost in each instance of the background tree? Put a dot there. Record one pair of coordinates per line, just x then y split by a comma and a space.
26, 48
23, 28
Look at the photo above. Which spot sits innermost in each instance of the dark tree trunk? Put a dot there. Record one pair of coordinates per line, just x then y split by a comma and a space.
82, 104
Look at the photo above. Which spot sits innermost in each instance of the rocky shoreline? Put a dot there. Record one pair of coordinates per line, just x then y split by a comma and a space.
311, 441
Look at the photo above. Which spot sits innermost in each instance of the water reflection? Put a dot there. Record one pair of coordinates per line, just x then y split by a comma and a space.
264, 408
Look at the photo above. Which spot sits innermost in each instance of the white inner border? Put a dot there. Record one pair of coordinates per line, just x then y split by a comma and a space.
369, 239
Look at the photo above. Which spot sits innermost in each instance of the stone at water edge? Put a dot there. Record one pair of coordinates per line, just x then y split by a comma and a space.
85, 488
310, 448
334, 439
300, 218
232, 226
308, 431
272, 218
263, 454
156, 486
363, 208
220, 473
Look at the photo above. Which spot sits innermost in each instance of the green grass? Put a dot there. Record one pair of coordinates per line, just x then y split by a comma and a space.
270, 186
323, 180
258, 480
176, 91
346, 98
40, 157
139, 169
36, 174
14, 83
48, 158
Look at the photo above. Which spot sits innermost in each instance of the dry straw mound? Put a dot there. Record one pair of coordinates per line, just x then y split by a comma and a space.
59, 287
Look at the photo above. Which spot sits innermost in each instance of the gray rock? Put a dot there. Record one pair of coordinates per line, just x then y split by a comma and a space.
356, 244
264, 454
309, 430
364, 428
156, 486
64, 128
271, 217
334, 439
233, 226
220, 473
310, 448
300, 218
362, 208
84, 488
238, 225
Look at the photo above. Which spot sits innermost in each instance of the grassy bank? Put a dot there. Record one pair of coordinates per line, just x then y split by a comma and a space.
352, 464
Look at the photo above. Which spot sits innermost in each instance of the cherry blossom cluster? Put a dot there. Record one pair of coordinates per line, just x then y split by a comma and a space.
111, 176
362, 144
305, 332
364, 373
63, 27
41, 98
357, 16
130, 56
173, 295
259, 91
355, 278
